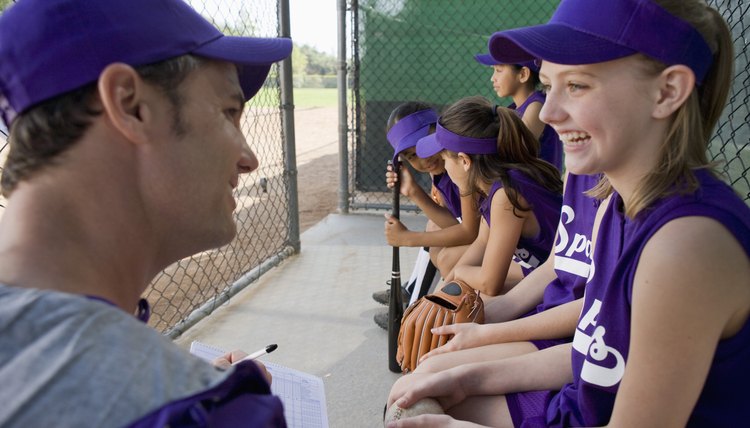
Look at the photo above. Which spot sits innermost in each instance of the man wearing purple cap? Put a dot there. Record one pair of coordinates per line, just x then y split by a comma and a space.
125, 147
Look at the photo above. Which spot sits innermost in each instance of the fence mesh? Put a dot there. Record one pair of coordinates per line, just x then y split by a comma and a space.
422, 50
262, 212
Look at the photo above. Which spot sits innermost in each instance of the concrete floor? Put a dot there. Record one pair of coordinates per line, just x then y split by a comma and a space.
317, 307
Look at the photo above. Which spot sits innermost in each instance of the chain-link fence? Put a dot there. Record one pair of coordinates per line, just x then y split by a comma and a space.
192, 287
422, 50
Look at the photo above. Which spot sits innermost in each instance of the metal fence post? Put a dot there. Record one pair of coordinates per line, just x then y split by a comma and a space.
343, 127
290, 152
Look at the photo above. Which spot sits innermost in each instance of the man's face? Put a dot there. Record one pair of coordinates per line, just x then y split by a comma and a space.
192, 174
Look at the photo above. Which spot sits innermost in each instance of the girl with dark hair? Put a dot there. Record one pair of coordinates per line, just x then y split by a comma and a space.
520, 83
489, 152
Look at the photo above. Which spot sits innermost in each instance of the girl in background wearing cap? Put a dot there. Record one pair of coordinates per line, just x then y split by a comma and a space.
446, 236
488, 151
664, 335
520, 82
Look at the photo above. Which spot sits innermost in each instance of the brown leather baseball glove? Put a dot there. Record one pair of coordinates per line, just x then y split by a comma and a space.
455, 302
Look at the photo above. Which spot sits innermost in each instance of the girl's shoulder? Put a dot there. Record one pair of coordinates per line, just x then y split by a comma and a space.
712, 199
535, 97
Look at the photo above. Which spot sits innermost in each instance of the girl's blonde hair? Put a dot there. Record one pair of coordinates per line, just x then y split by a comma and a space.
686, 144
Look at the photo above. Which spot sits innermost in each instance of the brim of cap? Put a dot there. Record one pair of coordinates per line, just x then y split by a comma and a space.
555, 43
486, 59
428, 146
406, 142
252, 56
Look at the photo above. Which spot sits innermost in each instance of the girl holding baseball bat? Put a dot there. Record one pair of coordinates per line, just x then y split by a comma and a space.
663, 338
488, 151
453, 218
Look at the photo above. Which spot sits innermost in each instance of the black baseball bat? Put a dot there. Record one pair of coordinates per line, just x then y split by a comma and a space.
395, 303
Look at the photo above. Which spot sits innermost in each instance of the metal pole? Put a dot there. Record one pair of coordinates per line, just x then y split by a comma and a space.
343, 127
287, 119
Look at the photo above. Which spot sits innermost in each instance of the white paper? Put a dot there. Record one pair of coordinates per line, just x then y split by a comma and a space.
302, 394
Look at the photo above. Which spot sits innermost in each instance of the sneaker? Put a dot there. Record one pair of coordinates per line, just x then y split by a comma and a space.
381, 319
384, 297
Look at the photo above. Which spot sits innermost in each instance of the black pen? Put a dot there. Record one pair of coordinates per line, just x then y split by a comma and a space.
267, 350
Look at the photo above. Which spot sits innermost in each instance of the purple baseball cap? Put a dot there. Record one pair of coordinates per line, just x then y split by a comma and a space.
50, 47
409, 129
444, 139
487, 59
591, 31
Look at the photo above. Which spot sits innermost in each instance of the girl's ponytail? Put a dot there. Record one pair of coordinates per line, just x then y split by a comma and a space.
517, 148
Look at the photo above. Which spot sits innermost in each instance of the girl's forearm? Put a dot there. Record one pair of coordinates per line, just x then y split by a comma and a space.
451, 236
549, 369
486, 280
555, 323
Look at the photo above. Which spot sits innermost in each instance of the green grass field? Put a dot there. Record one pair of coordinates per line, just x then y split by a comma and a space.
315, 97
303, 98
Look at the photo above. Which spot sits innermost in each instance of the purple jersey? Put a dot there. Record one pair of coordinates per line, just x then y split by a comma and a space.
573, 246
601, 342
449, 191
550, 147
545, 204
572, 265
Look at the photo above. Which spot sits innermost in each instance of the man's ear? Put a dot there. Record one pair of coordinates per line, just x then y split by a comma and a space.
122, 92
676, 83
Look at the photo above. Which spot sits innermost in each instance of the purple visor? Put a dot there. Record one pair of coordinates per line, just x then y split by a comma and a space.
487, 59
49, 47
408, 130
444, 139
591, 31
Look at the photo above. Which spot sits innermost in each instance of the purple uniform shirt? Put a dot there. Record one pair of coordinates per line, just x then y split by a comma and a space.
573, 246
550, 147
601, 342
449, 191
572, 267
545, 204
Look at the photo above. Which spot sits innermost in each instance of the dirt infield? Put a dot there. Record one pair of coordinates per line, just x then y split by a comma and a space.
316, 132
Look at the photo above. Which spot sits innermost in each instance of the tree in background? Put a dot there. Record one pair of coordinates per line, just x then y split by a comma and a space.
299, 67
318, 62
313, 68
4, 4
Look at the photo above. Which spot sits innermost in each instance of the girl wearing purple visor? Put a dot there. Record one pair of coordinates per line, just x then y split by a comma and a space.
520, 81
446, 236
488, 151
635, 89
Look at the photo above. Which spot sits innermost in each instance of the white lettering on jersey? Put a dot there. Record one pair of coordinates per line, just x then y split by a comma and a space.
596, 348
524, 258
564, 251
